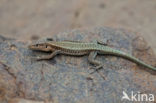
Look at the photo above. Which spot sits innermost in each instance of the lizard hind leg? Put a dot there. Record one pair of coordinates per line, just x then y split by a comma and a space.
105, 42
92, 60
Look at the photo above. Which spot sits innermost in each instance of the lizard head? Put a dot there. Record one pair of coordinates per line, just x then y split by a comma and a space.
40, 47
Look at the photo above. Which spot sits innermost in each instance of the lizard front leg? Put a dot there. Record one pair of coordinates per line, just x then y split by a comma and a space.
53, 54
92, 60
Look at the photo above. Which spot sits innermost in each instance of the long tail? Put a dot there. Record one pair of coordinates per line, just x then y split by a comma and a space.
112, 51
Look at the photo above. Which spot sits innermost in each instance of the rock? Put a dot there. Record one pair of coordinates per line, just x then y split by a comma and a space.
67, 79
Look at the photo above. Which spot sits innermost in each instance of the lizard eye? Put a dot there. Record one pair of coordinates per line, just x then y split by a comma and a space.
46, 46
37, 45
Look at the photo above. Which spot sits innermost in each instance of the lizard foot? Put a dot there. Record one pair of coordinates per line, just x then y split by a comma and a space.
97, 68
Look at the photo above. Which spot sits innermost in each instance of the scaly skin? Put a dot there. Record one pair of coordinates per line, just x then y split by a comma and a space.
79, 48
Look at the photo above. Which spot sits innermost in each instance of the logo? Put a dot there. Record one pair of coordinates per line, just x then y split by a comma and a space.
137, 97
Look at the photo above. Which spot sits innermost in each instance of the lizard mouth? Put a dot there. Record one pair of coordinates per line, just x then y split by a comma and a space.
39, 47
32, 47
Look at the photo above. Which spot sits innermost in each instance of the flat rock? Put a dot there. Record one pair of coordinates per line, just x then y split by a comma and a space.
68, 79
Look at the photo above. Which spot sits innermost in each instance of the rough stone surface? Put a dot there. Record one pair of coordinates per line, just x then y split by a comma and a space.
67, 79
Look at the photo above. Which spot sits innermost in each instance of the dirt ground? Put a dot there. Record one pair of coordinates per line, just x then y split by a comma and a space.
29, 19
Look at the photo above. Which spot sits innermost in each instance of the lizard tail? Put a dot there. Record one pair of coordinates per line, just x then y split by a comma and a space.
129, 57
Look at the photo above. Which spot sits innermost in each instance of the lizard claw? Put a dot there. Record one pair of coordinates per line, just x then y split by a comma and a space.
97, 68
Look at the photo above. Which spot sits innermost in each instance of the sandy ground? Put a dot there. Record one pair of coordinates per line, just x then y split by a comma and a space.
27, 19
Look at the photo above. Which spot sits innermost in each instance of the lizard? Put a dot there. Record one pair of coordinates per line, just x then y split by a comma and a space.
77, 48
